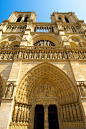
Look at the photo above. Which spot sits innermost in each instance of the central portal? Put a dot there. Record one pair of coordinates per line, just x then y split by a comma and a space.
39, 117
51, 115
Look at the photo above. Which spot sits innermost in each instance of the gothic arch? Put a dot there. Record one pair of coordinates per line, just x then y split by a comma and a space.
55, 40
77, 37
66, 16
77, 41
15, 43
12, 36
45, 84
46, 73
4, 43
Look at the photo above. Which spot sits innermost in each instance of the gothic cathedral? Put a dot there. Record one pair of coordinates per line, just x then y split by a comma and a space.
42, 72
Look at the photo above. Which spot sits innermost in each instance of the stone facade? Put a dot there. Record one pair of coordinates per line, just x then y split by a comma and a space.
42, 72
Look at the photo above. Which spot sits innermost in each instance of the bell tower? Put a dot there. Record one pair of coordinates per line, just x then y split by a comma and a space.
69, 17
22, 17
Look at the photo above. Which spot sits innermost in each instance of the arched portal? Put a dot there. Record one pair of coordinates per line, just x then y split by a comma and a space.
47, 85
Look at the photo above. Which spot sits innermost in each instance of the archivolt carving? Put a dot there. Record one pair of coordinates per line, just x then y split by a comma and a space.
4, 44
15, 43
60, 83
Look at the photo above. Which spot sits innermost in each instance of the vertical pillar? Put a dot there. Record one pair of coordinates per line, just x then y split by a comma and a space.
15, 112
46, 123
31, 116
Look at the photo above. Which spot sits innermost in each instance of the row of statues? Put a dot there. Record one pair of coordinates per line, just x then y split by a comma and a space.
21, 113
71, 113
42, 54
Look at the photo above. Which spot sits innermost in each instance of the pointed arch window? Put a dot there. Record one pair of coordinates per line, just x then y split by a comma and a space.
19, 19
26, 18
59, 18
66, 19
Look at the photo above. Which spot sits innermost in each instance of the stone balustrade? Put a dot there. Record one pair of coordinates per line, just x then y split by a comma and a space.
42, 53
43, 28
72, 29
16, 28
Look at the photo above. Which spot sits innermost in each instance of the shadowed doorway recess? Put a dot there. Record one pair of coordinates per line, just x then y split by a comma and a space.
39, 117
52, 117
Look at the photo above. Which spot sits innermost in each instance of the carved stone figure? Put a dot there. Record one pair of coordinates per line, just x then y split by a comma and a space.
9, 91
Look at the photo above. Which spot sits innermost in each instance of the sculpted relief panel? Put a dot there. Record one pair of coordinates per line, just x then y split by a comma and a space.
44, 90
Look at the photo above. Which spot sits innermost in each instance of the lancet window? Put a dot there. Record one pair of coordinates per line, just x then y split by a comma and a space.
44, 43
26, 18
66, 19
19, 19
59, 18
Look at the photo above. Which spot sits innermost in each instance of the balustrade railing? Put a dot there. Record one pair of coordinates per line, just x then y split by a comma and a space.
41, 53
72, 29
15, 28
43, 28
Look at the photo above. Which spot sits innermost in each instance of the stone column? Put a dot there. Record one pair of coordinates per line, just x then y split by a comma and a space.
46, 123
31, 116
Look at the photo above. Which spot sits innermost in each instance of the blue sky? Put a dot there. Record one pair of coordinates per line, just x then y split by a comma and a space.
43, 8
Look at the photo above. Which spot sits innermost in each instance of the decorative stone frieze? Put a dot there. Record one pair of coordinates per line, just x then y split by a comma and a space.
42, 53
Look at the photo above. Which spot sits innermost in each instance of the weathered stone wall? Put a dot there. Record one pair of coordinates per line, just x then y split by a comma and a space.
5, 113
5, 68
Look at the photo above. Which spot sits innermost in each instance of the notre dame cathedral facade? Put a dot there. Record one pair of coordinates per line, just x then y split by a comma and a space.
42, 72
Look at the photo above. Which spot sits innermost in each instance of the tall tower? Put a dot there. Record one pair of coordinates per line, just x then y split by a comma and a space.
42, 72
